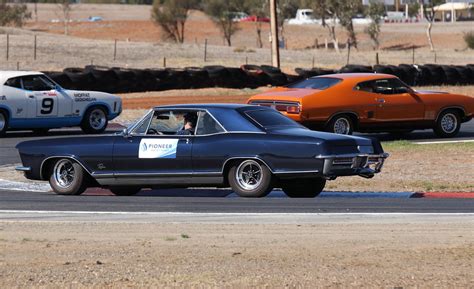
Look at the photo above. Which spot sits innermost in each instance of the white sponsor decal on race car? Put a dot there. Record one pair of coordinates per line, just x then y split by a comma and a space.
157, 148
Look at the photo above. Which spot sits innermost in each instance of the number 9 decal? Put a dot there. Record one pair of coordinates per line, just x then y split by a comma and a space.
47, 105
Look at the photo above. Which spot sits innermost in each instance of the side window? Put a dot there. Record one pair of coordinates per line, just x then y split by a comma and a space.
14, 82
36, 83
383, 86
207, 124
398, 86
367, 86
179, 122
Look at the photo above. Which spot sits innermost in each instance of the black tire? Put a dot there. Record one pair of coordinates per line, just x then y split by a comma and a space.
74, 182
340, 124
95, 120
448, 124
303, 188
3, 123
261, 175
40, 131
125, 190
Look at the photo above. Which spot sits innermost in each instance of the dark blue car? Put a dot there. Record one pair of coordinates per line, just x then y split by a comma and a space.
252, 149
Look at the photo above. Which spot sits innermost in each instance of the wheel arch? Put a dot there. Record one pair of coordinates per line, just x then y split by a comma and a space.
47, 164
102, 105
353, 115
460, 109
7, 111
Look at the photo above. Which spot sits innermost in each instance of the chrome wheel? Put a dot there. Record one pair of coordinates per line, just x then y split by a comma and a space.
449, 123
3, 122
97, 119
342, 126
64, 173
249, 175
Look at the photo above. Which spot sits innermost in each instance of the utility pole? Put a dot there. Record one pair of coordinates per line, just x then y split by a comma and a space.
274, 30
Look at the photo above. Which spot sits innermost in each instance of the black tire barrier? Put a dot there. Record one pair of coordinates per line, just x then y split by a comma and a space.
124, 80
352, 68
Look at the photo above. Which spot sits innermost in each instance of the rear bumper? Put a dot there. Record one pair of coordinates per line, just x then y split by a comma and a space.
364, 165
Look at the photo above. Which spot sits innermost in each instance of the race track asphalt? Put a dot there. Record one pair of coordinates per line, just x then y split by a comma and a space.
9, 155
207, 203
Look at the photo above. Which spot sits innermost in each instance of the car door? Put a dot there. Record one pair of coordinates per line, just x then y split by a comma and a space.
153, 153
396, 102
44, 99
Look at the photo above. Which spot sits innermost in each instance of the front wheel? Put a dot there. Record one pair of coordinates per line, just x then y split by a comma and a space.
341, 124
3, 123
125, 190
304, 188
68, 178
250, 179
95, 121
448, 124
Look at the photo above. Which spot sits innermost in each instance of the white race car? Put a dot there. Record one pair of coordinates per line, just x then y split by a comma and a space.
32, 101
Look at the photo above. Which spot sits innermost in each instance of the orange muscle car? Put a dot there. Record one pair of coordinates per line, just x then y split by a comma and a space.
366, 102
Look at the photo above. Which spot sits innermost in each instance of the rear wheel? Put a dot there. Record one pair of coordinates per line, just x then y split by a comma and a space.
125, 191
68, 178
448, 124
95, 121
304, 188
251, 179
340, 124
3, 123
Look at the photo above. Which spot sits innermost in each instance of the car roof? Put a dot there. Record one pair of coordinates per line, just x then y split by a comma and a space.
7, 74
208, 106
357, 76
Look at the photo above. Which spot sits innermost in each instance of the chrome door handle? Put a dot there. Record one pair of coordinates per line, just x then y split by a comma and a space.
31, 96
381, 100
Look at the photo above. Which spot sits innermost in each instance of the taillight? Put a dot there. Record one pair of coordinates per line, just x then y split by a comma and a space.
293, 109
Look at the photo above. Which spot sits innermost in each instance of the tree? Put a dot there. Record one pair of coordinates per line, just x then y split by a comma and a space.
223, 13
171, 16
345, 10
333, 11
375, 11
66, 8
15, 15
286, 10
259, 9
326, 10
429, 13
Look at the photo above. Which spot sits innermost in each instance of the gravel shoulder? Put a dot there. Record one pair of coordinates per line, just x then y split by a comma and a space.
335, 255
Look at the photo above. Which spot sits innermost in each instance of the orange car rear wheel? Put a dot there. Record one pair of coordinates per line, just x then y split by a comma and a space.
341, 124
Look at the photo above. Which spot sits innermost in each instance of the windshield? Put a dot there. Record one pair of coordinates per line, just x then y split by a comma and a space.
270, 117
320, 83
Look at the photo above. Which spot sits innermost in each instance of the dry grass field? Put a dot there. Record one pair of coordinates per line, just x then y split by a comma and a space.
140, 44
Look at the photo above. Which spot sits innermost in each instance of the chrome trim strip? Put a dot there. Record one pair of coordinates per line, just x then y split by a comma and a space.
384, 155
168, 174
63, 156
23, 169
296, 172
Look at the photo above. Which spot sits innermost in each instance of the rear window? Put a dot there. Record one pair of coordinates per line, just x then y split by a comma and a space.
316, 83
270, 117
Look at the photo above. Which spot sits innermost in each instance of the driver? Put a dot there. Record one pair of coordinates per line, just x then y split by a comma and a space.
190, 120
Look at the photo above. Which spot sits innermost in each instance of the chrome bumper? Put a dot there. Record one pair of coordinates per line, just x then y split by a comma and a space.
23, 169
364, 165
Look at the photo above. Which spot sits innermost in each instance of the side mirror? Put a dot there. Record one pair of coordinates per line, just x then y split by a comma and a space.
125, 133
58, 87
